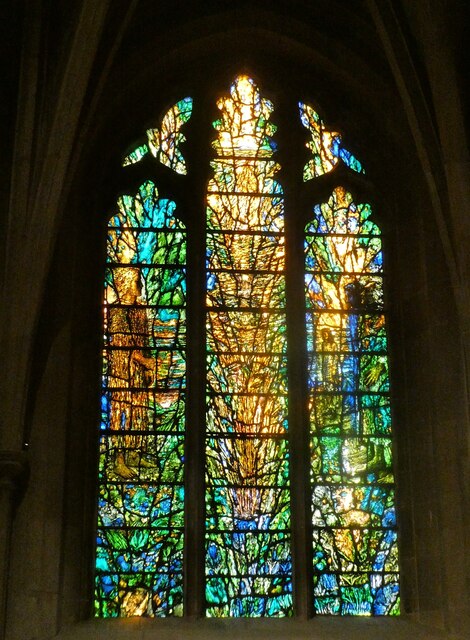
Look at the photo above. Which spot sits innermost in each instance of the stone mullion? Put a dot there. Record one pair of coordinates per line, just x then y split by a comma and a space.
292, 153
197, 153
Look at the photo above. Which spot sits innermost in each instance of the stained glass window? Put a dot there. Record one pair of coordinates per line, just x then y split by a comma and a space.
248, 565
326, 146
164, 142
353, 503
141, 493
244, 464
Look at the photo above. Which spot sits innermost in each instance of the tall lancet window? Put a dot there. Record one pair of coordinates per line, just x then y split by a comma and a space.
354, 523
250, 557
248, 563
139, 555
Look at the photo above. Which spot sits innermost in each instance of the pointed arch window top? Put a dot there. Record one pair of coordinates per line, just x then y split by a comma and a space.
244, 127
326, 146
342, 216
228, 441
145, 209
244, 131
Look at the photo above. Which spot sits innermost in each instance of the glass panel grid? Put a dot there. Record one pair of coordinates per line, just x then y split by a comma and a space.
248, 557
139, 553
139, 559
353, 501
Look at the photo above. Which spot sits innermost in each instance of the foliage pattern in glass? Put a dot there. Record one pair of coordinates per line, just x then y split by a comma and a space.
139, 559
326, 146
141, 494
353, 506
248, 556
164, 142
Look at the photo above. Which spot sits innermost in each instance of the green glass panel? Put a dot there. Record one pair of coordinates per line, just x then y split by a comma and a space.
272, 507
261, 586
136, 155
139, 548
353, 505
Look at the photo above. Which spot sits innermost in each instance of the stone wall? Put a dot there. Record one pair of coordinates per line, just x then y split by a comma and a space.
91, 79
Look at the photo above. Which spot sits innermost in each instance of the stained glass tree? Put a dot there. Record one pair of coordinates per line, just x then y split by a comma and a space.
248, 566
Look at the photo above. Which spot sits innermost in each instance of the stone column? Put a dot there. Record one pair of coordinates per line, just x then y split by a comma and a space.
13, 475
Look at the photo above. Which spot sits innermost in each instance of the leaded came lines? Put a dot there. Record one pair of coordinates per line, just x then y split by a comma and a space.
249, 533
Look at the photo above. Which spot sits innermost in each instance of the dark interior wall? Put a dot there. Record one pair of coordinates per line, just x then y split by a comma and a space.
10, 48
147, 57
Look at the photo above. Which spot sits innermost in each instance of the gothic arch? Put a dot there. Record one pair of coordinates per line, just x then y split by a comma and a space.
76, 185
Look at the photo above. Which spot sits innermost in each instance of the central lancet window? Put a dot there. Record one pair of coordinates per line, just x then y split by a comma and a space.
249, 537
249, 568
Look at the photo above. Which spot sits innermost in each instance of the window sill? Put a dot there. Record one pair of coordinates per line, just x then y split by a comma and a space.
254, 629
